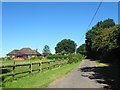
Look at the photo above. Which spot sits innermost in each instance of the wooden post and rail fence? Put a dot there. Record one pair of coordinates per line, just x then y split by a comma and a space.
56, 63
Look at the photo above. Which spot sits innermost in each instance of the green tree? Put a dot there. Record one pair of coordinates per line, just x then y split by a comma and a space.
102, 41
66, 46
46, 50
107, 23
82, 49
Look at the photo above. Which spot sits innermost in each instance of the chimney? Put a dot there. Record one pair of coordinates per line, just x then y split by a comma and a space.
36, 50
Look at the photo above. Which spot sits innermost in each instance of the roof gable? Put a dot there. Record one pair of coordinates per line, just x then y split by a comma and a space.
14, 51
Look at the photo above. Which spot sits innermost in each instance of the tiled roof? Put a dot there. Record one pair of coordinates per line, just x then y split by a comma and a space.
24, 51
14, 51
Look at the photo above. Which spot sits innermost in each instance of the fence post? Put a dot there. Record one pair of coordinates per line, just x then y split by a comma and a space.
39, 66
14, 70
49, 65
58, 63
30, 67
55, 63
61, 63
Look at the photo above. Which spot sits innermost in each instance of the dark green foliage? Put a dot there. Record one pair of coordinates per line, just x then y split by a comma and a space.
65, 46
102, 41
46, 50
82, 49
107, 23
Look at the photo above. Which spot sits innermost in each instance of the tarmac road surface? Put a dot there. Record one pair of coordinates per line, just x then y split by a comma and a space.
77, 79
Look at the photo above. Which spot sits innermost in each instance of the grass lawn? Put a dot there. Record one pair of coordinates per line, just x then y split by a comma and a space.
41, 80
11, 62
21, 69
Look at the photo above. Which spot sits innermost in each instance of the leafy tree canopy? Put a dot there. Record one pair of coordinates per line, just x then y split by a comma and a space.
66, 46
103, 40
82, 49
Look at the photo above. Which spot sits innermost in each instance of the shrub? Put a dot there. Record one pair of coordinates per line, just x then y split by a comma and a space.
8, 58
36, 58
74, 58
70, 58
57, 56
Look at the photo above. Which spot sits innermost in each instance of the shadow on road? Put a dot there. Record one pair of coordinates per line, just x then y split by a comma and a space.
107, 75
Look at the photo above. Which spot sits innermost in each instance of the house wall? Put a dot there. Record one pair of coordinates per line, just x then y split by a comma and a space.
12, 56
31, 56
25, 56
18, 58
22, 57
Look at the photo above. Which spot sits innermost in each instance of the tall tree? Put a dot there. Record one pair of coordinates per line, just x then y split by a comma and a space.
82, 49
102, 41
46, 50
66, 45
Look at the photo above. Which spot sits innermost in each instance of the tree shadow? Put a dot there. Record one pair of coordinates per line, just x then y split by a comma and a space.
108, 76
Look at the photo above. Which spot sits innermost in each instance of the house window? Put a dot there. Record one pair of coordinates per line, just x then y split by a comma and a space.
13, 56
29, 56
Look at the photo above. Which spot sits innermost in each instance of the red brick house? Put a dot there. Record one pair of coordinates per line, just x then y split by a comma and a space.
24, 53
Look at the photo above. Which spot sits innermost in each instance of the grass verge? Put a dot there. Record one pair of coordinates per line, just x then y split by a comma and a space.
41, 80
99, 64
110, 73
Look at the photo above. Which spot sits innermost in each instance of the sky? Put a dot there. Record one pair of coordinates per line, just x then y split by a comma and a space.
36, 24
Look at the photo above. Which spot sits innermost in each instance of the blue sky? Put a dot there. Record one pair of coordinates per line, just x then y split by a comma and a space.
37, 24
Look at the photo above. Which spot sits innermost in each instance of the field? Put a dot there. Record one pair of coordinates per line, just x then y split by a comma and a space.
39, 72
18, 69
41, 80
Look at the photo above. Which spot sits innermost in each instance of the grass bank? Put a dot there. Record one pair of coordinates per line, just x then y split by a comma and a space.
41, 80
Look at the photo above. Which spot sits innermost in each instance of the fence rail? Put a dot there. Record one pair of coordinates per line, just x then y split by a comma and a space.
49, 65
